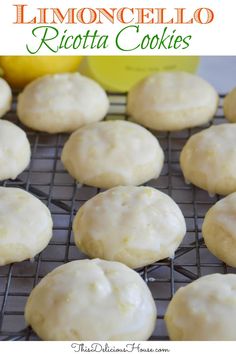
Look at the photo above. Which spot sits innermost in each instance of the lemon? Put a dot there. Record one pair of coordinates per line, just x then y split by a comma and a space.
20, 70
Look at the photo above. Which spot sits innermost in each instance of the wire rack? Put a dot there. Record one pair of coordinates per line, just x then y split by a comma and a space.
47, 179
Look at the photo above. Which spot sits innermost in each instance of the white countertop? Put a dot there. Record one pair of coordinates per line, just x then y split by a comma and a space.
219, 71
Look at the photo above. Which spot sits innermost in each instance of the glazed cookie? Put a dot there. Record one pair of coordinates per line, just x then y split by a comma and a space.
219, 230
5, 97
61, 103
142, 226
112, 153
91, 300
172, 101
230, 106
204, 310
208, 159
25, 225
14, 150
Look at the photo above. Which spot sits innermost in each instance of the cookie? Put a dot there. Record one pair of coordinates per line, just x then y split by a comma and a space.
204, 310
91, 300
229, 106
219, 230
208, 159
172, 101
61, 103
14, 150
133, 225
5, 97
25, 225
111, 153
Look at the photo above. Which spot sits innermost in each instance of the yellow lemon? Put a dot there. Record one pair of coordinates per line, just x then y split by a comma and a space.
20, 70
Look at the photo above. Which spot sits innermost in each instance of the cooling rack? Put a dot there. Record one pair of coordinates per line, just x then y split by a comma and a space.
47, 179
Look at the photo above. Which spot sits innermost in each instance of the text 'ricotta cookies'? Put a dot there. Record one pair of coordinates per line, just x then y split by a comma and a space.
14, 150
204, 310
61, 103
112, 153
133, 225
219, 230
91, 300
208, 159
172, 101
25, 225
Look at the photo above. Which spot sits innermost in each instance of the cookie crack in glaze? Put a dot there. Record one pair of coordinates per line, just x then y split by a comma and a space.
124, 311
111, 153
14, 150
172, 101
208, 159
133, 225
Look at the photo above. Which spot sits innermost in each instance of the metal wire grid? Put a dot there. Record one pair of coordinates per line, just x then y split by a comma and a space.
47, 179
